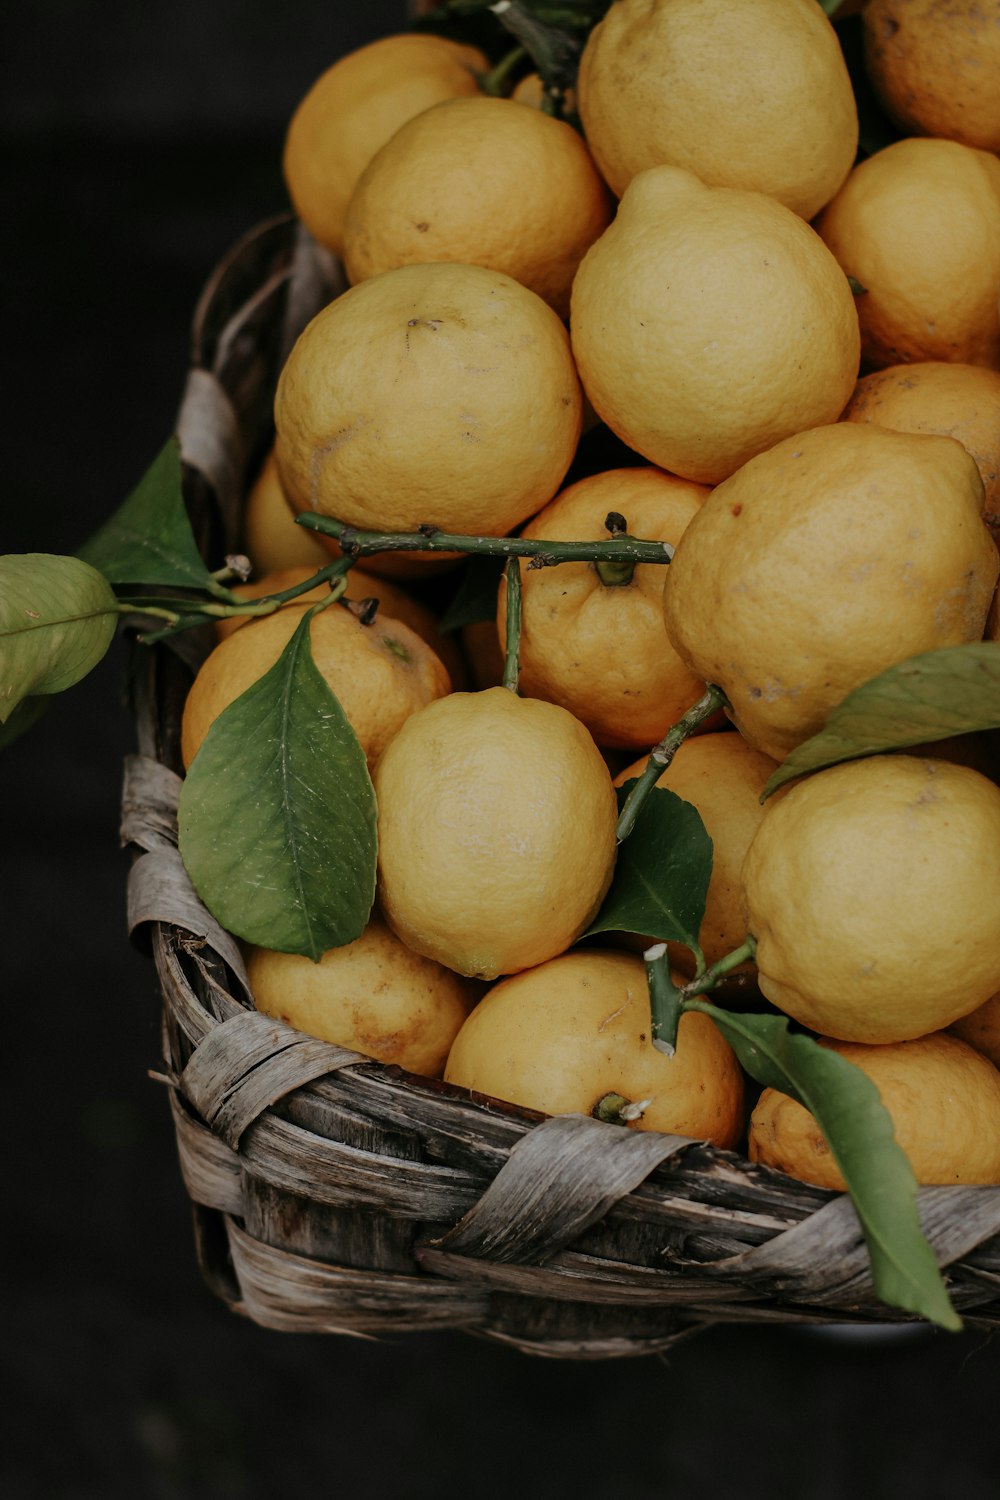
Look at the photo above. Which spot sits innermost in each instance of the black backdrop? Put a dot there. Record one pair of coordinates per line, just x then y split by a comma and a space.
139, 141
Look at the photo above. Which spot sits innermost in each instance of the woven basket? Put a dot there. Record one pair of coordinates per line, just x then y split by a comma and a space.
334, 1194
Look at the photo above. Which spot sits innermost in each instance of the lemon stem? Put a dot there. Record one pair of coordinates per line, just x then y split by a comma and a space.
662, 754
616, 574
512, 643
609, 1108
356, 543
720, 969
664, 999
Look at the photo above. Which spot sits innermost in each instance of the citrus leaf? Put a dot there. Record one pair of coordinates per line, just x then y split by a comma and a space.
57, 618
857, 1128
277, 813
661, 874
149, 539
930, 697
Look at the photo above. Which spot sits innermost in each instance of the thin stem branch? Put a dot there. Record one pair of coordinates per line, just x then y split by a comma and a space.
200, 612
541, 554
720, 969
662, 754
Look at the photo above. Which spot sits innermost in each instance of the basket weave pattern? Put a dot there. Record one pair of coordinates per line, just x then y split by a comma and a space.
333, 1194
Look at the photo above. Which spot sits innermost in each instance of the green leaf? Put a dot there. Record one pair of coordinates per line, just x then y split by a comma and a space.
149, 539
846, 1106
931, 697
277, 813
57, 619
476, 596
662, 873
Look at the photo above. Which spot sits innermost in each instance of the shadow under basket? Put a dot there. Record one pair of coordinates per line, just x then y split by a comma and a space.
334, 1194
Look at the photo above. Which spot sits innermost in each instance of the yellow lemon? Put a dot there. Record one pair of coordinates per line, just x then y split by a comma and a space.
354, 107
935, 67
820, 563
742, 94
559, 1037
433, 394
953, 400
484, 181
496, 825
709, 323
942, 1097
374, 995
918, 226
873, 890
597, 646
380, 673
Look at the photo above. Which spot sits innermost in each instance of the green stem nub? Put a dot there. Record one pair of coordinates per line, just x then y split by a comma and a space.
615, 1109
616, 574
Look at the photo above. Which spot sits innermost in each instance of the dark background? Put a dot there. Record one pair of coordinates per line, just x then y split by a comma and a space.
138, 142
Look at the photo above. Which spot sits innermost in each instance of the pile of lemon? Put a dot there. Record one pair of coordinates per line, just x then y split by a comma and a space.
802, 355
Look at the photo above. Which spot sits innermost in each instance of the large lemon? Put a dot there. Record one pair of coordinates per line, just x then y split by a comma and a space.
824, 561
561, 1036
709, 323
873, 890
496, 825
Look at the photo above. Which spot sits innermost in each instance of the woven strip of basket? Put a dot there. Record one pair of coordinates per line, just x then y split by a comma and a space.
331, 1193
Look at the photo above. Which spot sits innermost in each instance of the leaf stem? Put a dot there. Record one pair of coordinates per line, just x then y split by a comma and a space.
356, 543
662, 754
722, 966
198, 613
512, 643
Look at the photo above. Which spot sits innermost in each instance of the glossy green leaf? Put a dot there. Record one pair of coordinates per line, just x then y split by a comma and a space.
857, 1128
277, 813
149, 539
57, 618
925, 698
661, 874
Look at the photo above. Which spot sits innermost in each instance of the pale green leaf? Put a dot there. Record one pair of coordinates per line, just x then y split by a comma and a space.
57, 619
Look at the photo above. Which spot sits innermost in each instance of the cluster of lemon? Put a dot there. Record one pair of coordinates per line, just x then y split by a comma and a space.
726, 273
